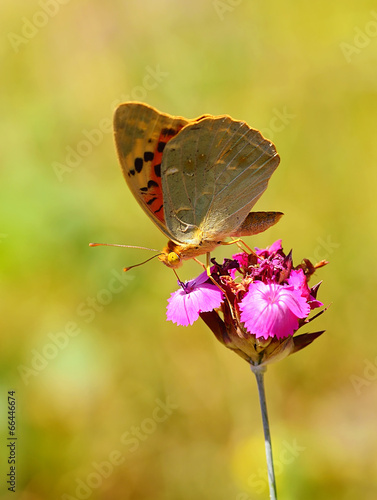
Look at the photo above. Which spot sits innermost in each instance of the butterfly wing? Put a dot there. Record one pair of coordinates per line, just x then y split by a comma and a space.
141, 134
213, 172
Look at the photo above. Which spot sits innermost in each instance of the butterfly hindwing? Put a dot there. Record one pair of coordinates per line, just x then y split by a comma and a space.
213, 172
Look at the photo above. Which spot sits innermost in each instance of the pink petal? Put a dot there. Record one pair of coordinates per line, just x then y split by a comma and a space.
272, 310
271, 249
202, 278
184, 306
297, 279
242, 258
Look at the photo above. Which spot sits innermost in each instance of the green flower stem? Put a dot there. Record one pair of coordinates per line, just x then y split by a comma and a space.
259, 375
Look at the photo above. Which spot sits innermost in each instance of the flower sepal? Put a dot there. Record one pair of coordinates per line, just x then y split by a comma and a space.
256, 352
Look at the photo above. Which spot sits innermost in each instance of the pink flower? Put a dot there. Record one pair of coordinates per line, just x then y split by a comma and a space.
261, 305
195, 296
266, 252
271, 310
298, 280
242, 259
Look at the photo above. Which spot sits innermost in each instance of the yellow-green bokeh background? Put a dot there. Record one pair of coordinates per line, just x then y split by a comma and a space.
252, 60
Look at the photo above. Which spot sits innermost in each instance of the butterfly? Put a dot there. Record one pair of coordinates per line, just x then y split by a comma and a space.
196, 179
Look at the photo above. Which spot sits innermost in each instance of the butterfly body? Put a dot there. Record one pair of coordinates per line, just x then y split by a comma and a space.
174, 254
196, 179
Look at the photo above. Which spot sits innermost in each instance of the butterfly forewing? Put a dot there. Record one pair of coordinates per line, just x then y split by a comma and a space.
213, 172
141, 134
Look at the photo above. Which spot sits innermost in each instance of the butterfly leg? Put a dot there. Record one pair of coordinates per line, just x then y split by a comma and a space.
207, 266
201, 263
239, 242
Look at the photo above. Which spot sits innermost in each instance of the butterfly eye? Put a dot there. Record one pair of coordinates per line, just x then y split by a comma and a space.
173, 259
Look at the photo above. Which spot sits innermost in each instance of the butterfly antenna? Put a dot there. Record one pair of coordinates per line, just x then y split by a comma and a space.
141, 263
128, 246
178, 278
123, 246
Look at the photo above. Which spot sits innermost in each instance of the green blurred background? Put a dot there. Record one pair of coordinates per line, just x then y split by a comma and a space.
87, 348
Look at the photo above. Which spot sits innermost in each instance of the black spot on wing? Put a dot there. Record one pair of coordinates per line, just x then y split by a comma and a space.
157, 170
161, 146
138, 164
149, 202
156, 211
148, 156
152, 184
168, 131
131, 172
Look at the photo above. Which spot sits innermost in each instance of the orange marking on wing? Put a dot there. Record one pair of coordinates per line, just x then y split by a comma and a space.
152, 193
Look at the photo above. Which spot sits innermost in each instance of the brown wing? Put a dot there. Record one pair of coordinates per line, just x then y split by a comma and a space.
213, 172
141, 133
